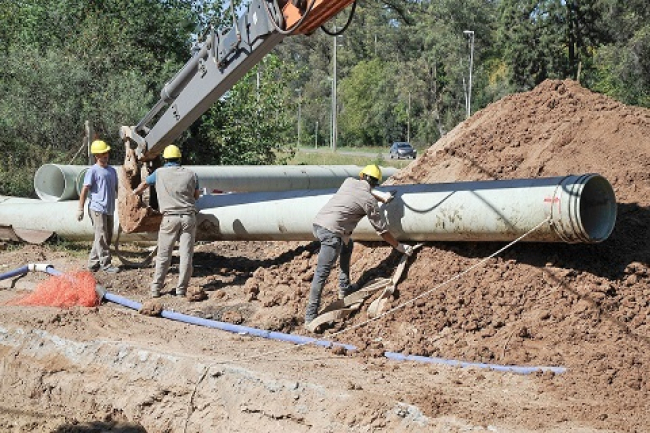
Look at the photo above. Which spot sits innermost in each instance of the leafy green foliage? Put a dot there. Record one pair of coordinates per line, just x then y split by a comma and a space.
69, 61
366, 117
402, 69
253, 124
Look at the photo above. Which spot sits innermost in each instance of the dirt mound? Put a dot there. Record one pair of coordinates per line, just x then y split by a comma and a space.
585, 307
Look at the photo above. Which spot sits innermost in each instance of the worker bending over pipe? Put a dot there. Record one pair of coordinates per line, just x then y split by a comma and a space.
334, 224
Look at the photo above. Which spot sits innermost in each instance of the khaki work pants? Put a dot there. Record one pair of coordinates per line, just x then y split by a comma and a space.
173, 228
100, 254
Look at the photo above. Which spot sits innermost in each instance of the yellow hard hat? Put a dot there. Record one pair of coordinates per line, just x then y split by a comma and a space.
99, 146
172, 152
371, 170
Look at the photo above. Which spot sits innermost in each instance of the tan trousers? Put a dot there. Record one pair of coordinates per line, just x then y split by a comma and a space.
100, 254
173, 228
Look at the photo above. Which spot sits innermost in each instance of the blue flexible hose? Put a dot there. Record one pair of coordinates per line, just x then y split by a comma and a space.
229, 327
505, 368
297, 339
15, 273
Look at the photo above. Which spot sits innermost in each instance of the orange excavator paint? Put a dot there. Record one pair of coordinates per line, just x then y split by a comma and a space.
321, 12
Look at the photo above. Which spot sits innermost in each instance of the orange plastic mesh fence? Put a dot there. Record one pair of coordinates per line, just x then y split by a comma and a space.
67, 290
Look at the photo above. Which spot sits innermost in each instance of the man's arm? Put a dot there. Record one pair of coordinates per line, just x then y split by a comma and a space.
402, 248
388, 237
140, 189
82, 201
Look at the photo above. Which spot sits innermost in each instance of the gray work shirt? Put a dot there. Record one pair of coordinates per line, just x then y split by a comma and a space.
175, 186
348, 206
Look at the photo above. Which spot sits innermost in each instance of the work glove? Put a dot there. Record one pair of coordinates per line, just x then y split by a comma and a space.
134, 192
80, 214
383, 196
405, 249
391, 196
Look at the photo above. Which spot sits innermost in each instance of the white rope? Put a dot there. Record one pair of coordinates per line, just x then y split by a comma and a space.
455, 277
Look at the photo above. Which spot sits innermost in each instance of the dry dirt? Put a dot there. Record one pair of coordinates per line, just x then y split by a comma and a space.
582, 307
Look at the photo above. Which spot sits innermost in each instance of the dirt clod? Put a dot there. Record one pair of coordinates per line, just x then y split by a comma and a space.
151, 308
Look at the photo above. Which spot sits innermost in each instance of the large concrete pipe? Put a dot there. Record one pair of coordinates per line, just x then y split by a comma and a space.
253, 178
54, 182
7, 199
57, 217
579, 209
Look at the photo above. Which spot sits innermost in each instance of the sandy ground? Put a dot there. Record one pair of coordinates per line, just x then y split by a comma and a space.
585, 308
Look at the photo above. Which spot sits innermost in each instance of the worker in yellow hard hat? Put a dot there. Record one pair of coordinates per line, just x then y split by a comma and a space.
100, 181
333, 227
177, 189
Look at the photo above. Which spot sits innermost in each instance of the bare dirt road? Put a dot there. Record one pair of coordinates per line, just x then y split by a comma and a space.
585, 308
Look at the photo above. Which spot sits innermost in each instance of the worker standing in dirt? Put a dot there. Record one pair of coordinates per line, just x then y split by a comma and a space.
101, 181
177, 189
333, 227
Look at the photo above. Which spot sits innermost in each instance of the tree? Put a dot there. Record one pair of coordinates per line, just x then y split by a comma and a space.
252, 124
623, 66
550, 39
366, 118
67, 61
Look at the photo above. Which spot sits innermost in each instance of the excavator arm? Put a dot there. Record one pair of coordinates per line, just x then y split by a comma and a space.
217, 64
221, 60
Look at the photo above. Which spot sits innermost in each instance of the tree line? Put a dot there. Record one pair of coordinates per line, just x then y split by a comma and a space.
402, 72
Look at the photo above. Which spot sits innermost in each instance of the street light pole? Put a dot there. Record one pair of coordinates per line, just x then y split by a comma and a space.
408, 121
299, 103
470, 34
334, 131
332, 114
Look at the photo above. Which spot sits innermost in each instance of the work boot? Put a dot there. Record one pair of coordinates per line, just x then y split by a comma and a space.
93, 268
111, 269
345, 291
180, 293
155, 293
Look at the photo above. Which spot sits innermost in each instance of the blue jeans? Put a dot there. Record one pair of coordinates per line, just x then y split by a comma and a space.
331, 246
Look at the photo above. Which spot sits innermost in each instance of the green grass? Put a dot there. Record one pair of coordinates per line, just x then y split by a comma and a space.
337, 158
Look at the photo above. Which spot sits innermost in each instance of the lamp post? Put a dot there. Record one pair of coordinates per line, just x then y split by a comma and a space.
408, 121
468, 102
334, 129
299, 103
332, 113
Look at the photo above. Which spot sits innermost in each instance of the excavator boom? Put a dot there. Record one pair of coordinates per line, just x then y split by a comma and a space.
217, 64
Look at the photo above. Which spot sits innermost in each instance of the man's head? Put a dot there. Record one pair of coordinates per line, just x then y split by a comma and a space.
372, 174
100, 149
172, 154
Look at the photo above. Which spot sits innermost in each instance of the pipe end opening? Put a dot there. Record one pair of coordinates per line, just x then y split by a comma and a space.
598, 208
49, 183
